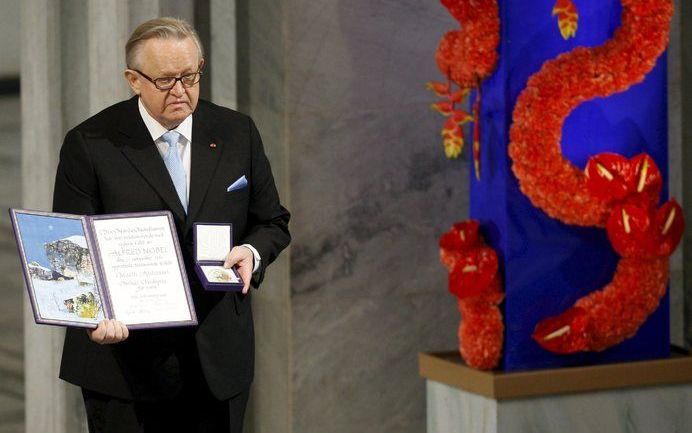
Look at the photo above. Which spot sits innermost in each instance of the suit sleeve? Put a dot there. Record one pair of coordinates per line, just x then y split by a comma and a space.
267, 218
76, 186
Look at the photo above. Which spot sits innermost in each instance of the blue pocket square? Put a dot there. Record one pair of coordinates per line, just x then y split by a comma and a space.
238, 184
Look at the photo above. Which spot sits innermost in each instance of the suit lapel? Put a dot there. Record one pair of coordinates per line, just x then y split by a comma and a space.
141, 151
206, 153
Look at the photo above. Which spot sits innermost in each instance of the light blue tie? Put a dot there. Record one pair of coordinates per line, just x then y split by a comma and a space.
175, 166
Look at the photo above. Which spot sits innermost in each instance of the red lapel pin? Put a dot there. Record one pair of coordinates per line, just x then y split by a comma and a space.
213, 145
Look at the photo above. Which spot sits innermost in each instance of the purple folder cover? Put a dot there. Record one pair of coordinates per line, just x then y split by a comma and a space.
63, 268
215, 285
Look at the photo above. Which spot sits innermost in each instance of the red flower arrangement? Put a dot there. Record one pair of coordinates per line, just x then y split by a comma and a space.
474, 280
612, 192
466, 57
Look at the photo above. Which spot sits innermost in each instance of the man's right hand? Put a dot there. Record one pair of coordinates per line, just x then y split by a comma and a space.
109, 331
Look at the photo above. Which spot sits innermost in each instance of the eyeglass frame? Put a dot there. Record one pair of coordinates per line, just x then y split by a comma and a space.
176, 79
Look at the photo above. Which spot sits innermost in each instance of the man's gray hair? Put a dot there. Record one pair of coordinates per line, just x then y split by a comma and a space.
162, 28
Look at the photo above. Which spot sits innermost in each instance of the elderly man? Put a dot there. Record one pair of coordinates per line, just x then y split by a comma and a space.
166, 149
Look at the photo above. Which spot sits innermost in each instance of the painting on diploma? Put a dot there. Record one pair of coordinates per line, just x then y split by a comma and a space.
59, 268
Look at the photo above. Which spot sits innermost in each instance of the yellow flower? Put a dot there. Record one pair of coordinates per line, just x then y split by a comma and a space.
453, 146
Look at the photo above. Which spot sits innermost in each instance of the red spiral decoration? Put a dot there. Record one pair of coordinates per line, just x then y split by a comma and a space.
611, 192
552, 182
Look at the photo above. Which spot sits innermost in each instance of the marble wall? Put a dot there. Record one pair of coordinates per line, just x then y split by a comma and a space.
371, 191
262, 77
337, 89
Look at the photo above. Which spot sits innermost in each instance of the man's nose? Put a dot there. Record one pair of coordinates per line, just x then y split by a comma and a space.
178, 89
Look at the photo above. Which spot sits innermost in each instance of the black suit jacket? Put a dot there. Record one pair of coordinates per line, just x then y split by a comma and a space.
109, 164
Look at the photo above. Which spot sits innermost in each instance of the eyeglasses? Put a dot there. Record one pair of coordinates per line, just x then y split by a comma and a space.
167, 83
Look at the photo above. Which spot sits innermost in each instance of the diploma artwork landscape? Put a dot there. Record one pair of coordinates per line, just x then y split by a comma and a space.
80, 270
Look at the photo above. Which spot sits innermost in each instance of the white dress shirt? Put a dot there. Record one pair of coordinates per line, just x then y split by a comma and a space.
156, 130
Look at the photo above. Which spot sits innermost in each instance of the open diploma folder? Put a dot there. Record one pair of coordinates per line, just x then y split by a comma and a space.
80, 270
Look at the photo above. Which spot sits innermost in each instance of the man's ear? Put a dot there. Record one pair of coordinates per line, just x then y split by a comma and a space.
201, 64
133, 81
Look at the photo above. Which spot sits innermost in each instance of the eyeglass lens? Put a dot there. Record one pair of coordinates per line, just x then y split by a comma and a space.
188, 80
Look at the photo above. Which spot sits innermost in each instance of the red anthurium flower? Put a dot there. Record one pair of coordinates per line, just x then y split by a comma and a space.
668, 227
474, 273
440, 89
449, 258
613, 177
636, 230
457, 241
461, 237
469, 232
645, 178
629, 230
565, 333
607, 176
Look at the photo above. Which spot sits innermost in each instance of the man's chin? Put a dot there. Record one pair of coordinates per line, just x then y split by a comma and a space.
174, 117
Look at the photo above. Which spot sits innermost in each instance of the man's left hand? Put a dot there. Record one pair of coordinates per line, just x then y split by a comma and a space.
242, 257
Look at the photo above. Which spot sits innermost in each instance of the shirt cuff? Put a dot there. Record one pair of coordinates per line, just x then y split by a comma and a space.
255, 255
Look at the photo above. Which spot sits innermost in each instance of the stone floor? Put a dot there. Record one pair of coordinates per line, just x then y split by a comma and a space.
11, 284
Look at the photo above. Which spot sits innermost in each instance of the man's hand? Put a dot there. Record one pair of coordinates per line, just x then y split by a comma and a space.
243, 258
109, 331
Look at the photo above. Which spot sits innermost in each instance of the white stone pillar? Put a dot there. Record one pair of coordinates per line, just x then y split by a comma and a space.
224, 85
184, 9
108, 31
50, 404
140, 11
